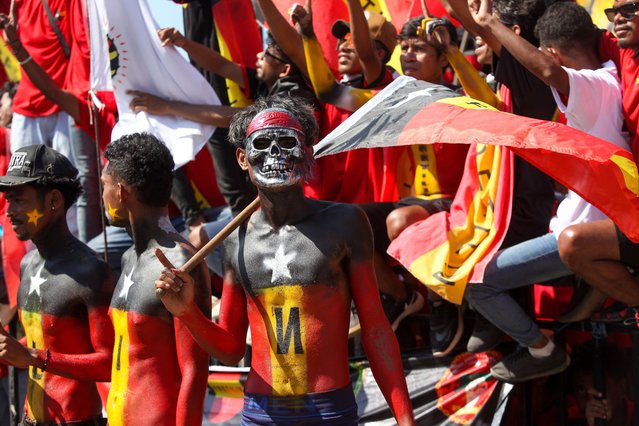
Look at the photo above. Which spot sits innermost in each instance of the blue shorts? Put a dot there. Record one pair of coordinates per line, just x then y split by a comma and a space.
336, 407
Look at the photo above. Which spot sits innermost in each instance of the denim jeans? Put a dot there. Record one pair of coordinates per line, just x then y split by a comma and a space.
118, 240
521, 265
83, 148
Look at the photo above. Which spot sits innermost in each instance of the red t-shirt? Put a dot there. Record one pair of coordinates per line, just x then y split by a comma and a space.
107, 117
43, 45
79, 69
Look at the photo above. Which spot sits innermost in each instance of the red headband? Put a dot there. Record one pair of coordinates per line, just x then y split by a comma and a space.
274, 118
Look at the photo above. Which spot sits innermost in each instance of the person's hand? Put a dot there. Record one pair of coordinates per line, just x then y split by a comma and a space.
303, 19
597, 407
481, 10
178, 290
438, 35
10, 28
171, 37
13, 352
146, 102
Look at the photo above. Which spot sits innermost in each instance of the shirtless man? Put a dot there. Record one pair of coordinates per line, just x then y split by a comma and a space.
291, 272
159, 373
63, 297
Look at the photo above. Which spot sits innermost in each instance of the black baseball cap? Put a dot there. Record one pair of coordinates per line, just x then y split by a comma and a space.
31, 163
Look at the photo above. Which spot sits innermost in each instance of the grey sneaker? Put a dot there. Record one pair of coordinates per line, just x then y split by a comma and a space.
485, 336
521, 366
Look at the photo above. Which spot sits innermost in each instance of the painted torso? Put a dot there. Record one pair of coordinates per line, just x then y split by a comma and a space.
296, 283
52, 302
145, 375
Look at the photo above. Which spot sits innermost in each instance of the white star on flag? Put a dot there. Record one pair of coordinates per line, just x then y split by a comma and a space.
36, 282
279, 265
128, 283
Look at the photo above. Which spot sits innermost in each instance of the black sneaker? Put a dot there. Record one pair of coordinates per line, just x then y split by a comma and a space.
446, 326
521, 366
396, 311
485, 336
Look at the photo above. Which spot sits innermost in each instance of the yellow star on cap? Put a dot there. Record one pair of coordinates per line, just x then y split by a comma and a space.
34, 216
113, 212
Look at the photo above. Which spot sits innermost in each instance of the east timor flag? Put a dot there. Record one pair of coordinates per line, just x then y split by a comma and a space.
409, 112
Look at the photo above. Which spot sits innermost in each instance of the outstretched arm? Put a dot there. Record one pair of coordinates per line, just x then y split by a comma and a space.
378, 338
542, 65
40, 79
193, 361
326, 88
216, 115
466, 11
372, 64
225, 341
205, 57
284, 34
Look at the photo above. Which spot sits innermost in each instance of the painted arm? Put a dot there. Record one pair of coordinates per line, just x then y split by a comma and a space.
216, 115
465, 11
205, 57
227, 341
543, 66
326, 87
93, 366
474, 85
364, 45
193, 361
378, 339
40, 79
284, 34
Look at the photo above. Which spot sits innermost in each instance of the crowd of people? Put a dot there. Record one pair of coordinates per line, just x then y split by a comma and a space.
102, 297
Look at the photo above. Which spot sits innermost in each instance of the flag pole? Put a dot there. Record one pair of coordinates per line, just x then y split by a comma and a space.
214, 242
94, 105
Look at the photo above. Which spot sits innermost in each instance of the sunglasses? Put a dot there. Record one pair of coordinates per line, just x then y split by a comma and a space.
628, 11
277, 58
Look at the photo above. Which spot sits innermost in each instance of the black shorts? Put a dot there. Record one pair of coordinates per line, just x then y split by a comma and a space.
378, 212
628, 251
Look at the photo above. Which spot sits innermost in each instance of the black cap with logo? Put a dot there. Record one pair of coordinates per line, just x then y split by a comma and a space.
31, 163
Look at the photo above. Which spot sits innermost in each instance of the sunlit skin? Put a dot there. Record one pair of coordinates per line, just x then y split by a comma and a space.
626, 29
24, 211
348, 62
483, 52
421, 60
268, 68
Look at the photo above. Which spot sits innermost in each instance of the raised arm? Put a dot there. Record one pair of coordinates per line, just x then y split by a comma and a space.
216, 115
372, 64
192, 359
40, 79
284, 34
378, 339
225, 342
205, 57
542, 65
325, 85
465, 11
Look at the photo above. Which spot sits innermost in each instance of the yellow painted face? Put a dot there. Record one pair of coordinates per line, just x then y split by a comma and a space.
26, 211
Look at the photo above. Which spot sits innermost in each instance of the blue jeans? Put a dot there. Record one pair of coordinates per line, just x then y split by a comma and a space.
118, 240
521, 265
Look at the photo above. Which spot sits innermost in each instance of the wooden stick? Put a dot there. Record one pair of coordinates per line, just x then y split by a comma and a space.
214, 242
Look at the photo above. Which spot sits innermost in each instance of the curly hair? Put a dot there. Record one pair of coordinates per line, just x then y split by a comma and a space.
144, 163
412, 27
566, 25
298, 107
69, 187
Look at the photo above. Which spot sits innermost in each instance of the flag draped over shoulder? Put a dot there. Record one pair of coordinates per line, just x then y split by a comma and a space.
415, 112
239, 40
126, 54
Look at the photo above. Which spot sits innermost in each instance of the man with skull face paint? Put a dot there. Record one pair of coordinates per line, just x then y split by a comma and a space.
290, 272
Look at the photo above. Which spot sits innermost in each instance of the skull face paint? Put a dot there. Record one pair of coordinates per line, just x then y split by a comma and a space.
276, 151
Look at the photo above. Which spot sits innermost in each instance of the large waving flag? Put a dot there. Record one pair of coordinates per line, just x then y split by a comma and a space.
239, 40
415, 112
126, 54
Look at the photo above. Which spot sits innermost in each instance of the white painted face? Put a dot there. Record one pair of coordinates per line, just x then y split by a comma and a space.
278, 157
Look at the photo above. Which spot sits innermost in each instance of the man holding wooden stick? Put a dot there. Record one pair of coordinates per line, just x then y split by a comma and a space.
290, 272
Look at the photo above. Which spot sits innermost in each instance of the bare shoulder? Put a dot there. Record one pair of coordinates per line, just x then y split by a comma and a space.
347, 218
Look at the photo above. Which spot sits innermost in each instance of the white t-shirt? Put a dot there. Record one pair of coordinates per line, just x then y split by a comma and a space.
594, 107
